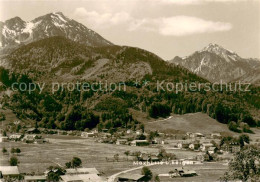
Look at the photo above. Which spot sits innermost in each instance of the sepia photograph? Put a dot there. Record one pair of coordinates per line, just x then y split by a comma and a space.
129, 90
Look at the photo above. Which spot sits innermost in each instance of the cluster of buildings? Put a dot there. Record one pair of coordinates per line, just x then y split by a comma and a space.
72, 175
28, 138
190, 141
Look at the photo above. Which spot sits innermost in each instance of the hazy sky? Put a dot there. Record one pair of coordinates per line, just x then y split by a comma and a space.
165, 27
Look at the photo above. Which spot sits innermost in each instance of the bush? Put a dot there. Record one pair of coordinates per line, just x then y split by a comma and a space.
249, 120
2, 116
15, 150
246, 128
4, 150
233, 127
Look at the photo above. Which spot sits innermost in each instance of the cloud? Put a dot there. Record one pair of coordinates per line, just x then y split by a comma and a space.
166, 26
102, 19
186, 25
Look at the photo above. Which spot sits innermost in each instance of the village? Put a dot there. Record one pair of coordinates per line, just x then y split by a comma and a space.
123, 155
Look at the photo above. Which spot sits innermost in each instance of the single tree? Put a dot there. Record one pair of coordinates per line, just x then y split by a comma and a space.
76, 162
68, 165
127, 154
142, 127
116, 157
4, 150
244, 166
13, 150
13, 161
18, 151
147, 173
54, 173
157, 178
243, 139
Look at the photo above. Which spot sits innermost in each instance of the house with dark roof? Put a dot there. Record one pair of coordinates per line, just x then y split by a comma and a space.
188, 173
121, 141
180, 171
130, 177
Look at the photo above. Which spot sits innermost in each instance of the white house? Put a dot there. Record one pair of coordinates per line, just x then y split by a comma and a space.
139, 132
199, 135
211, 150
15, 137
216, 135
81, 178
139, 143
194, 146
3, 139
87, 134
205, 146
179, 145
128, 131
9, 171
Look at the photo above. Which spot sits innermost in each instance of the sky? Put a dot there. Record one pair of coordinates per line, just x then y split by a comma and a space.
167, 28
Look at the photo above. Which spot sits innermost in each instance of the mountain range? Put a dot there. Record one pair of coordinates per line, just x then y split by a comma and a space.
216, 63
54, 48
62, 47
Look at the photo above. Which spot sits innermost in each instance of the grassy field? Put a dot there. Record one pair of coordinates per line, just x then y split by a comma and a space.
193, 122
35, 158
207, 172
61, 149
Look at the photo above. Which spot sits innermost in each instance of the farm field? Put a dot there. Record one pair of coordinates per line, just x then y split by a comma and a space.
37, 157
61, 149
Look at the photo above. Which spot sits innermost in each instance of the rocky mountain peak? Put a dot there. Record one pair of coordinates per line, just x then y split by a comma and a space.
16, 31
216, 63
220, 51
15, 23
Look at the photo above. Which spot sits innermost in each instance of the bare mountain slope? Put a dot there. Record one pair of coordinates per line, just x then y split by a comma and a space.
62, 58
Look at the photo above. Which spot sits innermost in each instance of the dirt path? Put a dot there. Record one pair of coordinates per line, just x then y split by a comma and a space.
161, 120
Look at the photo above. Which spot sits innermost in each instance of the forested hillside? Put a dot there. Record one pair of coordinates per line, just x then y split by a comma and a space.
88, 109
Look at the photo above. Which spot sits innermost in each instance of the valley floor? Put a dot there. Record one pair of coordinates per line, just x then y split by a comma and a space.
35, 158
